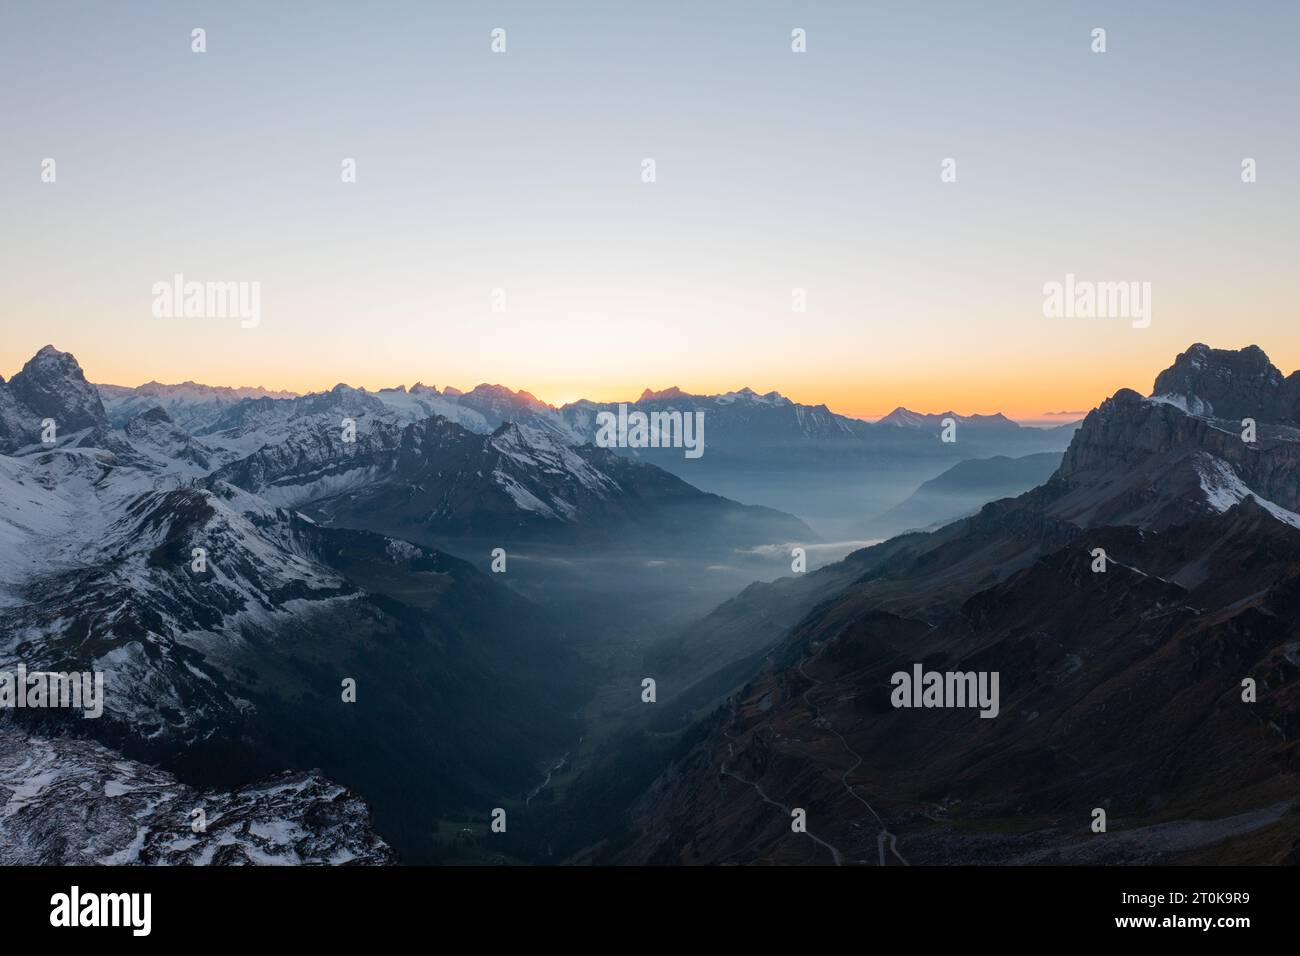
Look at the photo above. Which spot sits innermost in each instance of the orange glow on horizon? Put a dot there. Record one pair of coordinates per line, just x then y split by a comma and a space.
1021, 401
1030, 391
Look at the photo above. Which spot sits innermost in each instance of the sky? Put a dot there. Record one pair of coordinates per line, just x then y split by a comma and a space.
522, 172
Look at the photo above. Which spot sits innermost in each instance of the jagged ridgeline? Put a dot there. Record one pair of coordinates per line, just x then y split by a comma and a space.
1142, 608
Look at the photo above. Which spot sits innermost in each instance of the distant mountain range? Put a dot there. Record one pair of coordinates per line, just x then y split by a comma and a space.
743, 422
744, 417
831, 470
905, 418
190, 404
433, 480
1121, 689
763, 449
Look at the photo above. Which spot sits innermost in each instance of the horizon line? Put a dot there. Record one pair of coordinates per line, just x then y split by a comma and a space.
566, 397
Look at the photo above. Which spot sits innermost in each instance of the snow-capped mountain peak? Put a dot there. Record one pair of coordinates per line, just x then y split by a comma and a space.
50, 386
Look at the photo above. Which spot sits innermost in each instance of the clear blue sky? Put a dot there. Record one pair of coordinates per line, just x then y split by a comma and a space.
775, 170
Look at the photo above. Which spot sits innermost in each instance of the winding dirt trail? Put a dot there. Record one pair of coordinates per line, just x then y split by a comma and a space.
886, 841
836, 855
824, 723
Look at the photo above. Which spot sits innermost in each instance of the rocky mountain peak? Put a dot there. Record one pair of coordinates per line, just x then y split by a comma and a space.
1153, 461
672, 391
155, 414
50, 385
1229, 383
501, 396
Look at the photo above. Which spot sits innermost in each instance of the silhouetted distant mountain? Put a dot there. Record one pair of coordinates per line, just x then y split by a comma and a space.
827, 468
737, 424
963, 489
905, 418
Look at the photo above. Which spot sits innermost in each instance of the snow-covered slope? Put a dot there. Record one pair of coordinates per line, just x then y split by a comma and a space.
1224, 488
245, 427
66, 802
108, 553
57, 506
169, 447
191, 405
425, 401
1166, 459
433, 480
223, 625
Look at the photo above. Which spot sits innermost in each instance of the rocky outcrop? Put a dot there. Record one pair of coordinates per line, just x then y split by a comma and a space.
153, 430
1151, 461
51, 385
1230, 384
66, 802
